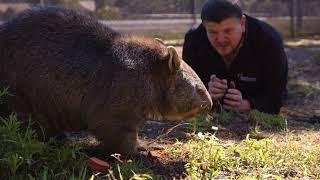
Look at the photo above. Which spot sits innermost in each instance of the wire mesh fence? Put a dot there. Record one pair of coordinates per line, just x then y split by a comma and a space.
290, 17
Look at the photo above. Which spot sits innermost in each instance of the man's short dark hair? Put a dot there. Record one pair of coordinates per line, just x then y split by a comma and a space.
219, 10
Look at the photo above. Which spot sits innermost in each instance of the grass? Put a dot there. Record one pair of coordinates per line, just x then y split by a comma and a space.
24, 156
223, 117
208, 158
129, 169
268, 121
217, 117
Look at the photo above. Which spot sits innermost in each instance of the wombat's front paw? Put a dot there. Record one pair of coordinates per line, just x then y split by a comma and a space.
124, 143
127, 147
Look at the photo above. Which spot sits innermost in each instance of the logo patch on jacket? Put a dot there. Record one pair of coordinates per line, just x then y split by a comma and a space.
246, 78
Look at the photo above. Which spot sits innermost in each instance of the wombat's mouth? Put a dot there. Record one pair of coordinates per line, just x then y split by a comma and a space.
202, 109
189, 114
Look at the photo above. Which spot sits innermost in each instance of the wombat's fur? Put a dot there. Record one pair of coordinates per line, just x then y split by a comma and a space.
78, 74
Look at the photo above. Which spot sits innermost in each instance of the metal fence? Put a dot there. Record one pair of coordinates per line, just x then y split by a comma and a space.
290, 17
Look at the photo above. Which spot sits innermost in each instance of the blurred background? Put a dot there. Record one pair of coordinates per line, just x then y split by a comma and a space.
170, 19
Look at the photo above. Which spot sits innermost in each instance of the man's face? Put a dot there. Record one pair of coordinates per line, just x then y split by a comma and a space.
226, 35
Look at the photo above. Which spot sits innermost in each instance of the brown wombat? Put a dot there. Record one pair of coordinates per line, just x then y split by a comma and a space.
74, 73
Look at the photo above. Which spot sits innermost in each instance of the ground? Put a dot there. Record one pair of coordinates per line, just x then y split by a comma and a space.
302, 109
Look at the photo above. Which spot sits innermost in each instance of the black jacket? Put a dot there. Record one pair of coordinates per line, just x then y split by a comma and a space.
259, 70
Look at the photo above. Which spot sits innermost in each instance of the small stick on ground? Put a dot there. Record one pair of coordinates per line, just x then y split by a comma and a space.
167, 132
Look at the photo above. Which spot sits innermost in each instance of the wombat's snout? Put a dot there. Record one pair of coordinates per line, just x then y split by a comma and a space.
206, 104
206, 107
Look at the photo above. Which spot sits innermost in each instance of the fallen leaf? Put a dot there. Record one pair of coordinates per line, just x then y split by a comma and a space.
157, 154
97, 164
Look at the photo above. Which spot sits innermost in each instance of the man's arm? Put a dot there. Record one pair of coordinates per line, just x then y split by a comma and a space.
275, 72
188, 51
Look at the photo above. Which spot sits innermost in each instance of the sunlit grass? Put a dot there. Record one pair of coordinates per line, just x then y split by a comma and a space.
25, 156
285, 155
207, 157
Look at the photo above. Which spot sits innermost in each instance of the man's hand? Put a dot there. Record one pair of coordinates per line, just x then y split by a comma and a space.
233, 99
217, 87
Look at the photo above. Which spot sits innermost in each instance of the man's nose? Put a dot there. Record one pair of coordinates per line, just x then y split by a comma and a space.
220, 38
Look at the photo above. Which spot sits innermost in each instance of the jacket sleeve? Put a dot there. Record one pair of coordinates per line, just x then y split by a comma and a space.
188, 51
274, 78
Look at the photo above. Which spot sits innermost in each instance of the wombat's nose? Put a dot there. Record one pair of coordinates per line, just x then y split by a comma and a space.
206, 107
206, 101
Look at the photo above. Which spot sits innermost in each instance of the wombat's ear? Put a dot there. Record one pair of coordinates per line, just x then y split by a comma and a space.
174, 61
160, 40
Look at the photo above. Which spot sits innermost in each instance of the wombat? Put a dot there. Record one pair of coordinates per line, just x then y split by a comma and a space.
74, 73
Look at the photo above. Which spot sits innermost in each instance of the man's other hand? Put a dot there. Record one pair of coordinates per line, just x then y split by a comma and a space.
233, 99
217, 87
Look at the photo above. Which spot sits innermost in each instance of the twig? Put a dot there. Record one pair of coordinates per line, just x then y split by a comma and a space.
167, 132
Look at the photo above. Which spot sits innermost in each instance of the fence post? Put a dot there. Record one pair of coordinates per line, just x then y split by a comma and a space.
42, 3
299, 16
194, 13
292, 18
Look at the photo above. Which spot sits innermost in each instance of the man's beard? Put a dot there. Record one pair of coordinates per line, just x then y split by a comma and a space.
234, 52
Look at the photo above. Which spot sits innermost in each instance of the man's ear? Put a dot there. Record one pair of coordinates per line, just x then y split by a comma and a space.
243, 23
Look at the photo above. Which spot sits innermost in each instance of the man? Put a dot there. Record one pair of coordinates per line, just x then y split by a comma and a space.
241, 59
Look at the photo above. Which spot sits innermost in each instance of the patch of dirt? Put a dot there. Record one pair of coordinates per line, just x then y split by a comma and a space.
303, 102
